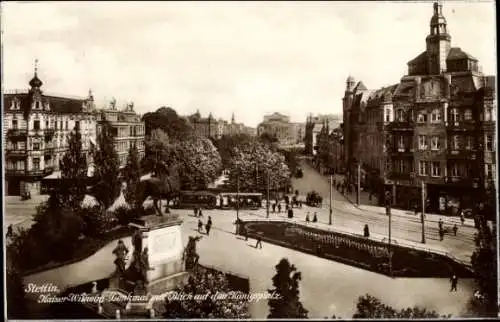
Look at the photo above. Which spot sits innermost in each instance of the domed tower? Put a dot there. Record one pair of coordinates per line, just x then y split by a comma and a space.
438, 42
34, 94
35, 83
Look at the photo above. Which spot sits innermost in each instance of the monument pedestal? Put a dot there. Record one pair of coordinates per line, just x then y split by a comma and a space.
162, 236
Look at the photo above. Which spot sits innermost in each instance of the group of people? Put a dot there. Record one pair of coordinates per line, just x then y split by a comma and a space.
315, 217
208, 225
442, 230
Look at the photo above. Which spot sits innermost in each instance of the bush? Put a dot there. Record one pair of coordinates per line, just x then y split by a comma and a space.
96, 221
299, 173
313, 199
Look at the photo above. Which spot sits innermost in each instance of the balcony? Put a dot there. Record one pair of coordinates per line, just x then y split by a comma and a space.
463, 126
399, 176
15, 153
408, 152
14, 172
400, 126
461, 154
49, 134
16, 133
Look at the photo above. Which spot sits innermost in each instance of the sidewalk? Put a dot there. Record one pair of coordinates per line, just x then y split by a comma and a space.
372, 205
438, 249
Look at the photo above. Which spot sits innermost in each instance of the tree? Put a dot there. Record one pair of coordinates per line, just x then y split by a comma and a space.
167, 119
57, 227
370, 307
254, 164
74, 171
132, 176
107, 167
158, 152
198, 162
484, 265
227, 145
268, 139
286, 285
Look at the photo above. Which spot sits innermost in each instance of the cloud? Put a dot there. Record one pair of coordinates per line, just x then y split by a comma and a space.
247, 58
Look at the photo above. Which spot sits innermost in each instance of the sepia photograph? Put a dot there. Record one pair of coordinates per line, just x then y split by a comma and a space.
250, 160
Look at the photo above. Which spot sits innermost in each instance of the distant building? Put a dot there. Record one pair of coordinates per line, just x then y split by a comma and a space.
215, 128
36, 129
436, 126
128, 127
313, 126
279, 126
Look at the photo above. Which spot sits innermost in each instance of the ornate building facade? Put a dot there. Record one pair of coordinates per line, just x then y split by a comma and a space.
128, 128
36, 129
436, 126
216, 128
279, 126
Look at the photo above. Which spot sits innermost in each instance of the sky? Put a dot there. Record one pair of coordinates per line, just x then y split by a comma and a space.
246, 58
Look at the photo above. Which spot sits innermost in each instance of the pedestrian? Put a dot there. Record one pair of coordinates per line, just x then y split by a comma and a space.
307, 217
300, 204
10, 231
244, 232
366, 231
208, 226
279, 207
441, 234
274, 207
259, 242
200, 225
455, 228
200, 214
454, 282
195, 211
315, 218
440, 224
462, 217
290, 213
415, 209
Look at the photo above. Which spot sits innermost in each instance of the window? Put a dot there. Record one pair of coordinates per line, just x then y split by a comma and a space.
454, 116
468, 115
436, 116
77, 125
36, 125
489, 143
468, 143
422, 168
488, 114
455, 170
47, 124
435, 143
436, 169
14, 124
36, 146
66, 126
400, 166
401, 143
422, 142
422, 117
38, 105
455, 142
400, 115
489, 170
36, 164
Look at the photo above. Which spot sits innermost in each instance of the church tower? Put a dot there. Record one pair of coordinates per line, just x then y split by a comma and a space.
438, 42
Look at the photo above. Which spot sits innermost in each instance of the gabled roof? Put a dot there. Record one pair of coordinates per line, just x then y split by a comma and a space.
457, 53
419, 58
57, 104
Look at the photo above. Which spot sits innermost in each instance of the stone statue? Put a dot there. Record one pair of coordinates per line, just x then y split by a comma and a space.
190, 256
120, 252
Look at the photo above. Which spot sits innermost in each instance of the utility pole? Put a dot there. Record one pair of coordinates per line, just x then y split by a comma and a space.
422, 218
331, 210
358, 191
268, 184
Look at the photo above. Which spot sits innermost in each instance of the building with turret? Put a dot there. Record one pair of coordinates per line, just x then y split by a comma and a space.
435, 128
36, 128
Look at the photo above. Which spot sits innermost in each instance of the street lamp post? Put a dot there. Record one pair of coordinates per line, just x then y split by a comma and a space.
268, 184
238, 197
358, 190
388, 211
422, 217
331, 209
